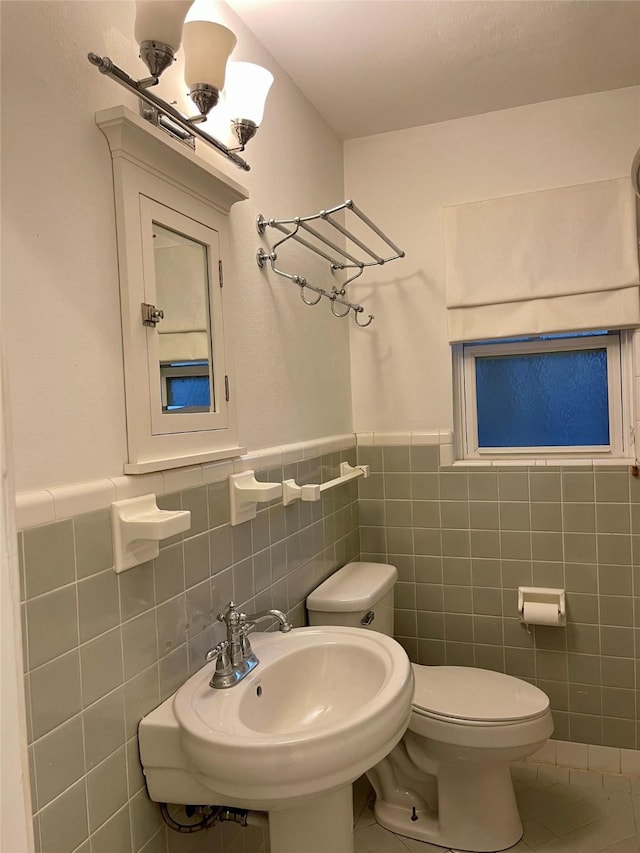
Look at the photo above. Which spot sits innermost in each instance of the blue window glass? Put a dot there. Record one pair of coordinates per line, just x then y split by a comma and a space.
543, 399
188, 391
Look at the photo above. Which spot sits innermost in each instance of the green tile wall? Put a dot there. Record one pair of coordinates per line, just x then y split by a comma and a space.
464, 539
102, 650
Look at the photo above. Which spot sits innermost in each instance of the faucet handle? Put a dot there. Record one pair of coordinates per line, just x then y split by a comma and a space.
217, 652
223, 673
245, 644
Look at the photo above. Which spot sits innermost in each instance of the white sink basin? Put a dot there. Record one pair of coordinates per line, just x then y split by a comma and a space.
324, 705
305, 689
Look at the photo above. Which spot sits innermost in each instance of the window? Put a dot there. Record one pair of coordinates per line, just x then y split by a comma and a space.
185, 386
555, 395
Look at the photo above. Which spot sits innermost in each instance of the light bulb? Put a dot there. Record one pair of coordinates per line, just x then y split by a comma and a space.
246, 91
158, 31
161, 21
206, 49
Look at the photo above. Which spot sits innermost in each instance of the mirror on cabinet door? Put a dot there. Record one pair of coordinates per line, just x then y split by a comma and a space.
185, 346
172, 230
182, 276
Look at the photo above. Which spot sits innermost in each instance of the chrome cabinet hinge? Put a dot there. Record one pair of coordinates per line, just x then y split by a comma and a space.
220, 274
226, 388
151, 315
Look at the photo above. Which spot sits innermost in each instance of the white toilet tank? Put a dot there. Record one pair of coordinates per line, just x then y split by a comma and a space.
358, 595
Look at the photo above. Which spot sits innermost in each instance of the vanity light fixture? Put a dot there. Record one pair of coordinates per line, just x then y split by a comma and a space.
160, 29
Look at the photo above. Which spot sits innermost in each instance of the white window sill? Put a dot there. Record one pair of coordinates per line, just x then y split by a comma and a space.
538, 463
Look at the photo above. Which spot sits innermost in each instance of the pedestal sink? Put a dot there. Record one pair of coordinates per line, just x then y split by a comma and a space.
324, 705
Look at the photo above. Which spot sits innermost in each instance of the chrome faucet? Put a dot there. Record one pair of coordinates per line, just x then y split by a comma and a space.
234, 656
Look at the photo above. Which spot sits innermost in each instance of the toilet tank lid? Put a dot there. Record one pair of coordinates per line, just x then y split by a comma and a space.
356, 586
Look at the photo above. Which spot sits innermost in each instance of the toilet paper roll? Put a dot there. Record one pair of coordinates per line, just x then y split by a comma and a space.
539, 613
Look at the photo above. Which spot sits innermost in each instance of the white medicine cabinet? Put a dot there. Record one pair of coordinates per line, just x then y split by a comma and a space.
172, 228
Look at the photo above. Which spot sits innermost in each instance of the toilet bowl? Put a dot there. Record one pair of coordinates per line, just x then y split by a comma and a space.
448, 781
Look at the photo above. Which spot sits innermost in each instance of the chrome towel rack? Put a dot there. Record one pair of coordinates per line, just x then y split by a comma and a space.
337, 257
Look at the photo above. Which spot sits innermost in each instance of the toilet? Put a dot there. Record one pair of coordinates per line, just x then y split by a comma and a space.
448, 781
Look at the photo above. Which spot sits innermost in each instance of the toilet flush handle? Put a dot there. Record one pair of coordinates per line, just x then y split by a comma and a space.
368, 618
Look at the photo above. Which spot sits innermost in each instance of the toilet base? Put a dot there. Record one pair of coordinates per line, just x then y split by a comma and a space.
397, 819
476, 811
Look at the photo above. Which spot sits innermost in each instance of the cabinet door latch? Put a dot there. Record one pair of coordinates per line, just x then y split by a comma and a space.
151, 315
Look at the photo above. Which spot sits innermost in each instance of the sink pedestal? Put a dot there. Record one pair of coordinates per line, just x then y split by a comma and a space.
323, 824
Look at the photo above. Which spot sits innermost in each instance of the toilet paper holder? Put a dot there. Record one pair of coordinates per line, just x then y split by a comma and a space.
542, 606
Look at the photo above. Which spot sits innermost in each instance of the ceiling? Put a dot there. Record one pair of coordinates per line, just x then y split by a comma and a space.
371, 66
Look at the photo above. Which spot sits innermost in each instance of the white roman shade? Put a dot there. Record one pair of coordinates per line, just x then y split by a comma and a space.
553, 261
182, 292
183, 346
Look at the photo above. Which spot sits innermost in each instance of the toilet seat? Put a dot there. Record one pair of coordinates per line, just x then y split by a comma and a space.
467, 696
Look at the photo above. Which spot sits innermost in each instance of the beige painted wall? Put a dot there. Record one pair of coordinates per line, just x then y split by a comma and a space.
401, 372
59, 266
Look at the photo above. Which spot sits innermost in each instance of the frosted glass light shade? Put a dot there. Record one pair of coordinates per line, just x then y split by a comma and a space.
246, 90
206, 49
161, 21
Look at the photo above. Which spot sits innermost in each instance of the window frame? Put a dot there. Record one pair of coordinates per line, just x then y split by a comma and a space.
618, 344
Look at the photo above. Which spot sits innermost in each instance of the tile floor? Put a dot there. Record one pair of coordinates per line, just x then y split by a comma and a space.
562, 811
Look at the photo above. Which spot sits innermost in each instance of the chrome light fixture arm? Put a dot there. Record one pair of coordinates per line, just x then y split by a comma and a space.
168, 117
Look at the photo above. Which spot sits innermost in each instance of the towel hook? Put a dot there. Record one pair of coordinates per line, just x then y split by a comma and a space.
357, 310
302, 284
332, 297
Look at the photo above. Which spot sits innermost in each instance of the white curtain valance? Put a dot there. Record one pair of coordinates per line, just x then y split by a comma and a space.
552, 261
